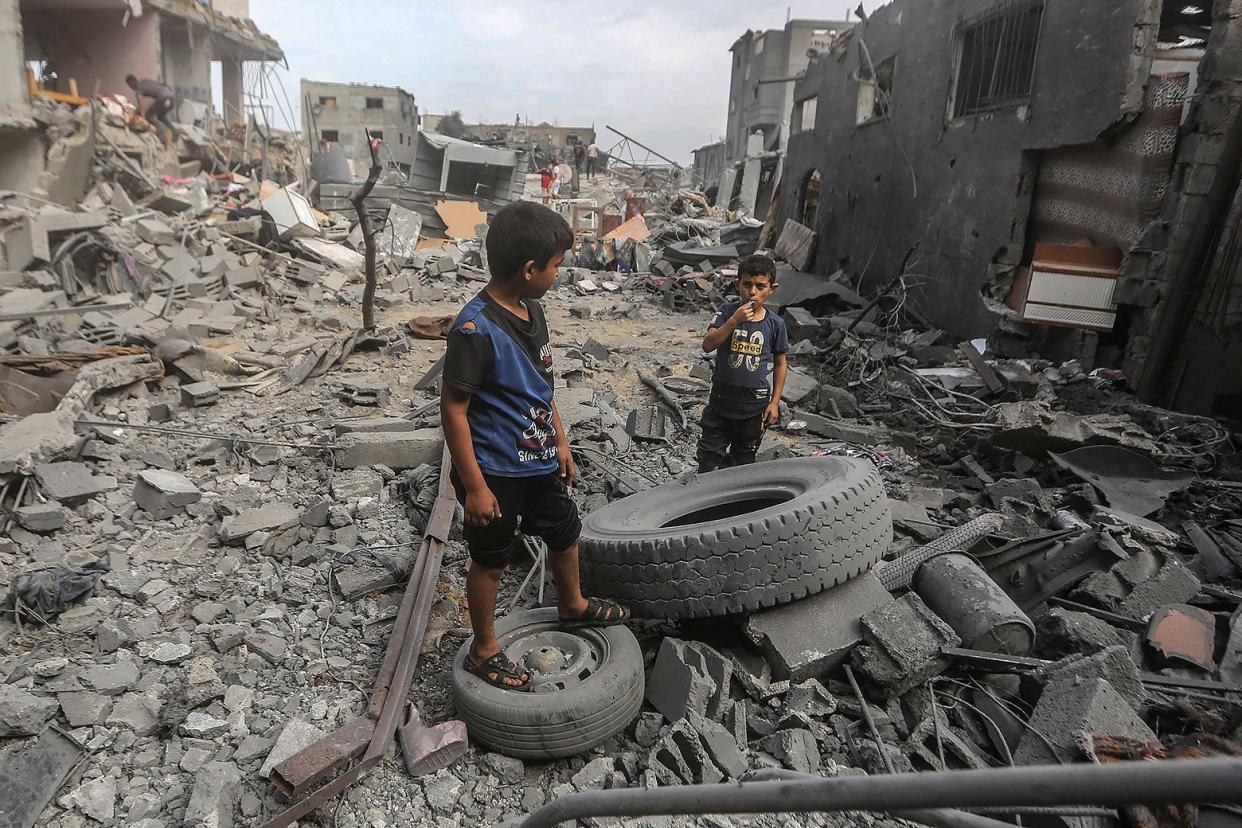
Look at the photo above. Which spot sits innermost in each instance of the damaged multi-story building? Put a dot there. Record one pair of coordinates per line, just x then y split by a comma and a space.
558, 141
335, 114
71, 51
966, 144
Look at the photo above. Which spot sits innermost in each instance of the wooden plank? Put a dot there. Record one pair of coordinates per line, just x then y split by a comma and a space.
990, 379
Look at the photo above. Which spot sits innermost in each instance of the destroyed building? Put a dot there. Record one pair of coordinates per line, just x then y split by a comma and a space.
559, 140
1053, 124
765, 65
336, 113
709, 164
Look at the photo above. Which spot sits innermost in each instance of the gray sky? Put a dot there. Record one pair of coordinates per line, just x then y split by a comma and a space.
658, 72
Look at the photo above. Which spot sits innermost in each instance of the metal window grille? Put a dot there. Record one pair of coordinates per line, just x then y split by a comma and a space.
375, 103
330, 135
996, 57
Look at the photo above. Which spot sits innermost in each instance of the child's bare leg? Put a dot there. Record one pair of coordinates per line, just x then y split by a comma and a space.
568, 588
482, 583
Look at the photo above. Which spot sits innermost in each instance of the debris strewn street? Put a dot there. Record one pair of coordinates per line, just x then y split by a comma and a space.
233, 557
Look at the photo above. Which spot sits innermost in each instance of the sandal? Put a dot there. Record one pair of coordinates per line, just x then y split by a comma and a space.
599, 612
496, 669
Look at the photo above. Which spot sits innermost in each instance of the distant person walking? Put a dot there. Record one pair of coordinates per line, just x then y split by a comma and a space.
157, 112
592, 157
579, 155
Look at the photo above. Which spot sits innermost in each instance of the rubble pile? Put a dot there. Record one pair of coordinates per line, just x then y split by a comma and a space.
213, 484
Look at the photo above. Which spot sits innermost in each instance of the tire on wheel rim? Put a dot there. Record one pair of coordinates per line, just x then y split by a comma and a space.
738, 540
586, 685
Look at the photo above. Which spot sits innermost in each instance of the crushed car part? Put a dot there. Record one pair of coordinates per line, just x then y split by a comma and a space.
586, 685
739, 539
897, 573
1032, 570
959, 591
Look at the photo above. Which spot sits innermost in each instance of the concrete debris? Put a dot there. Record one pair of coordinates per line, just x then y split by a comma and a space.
208, 424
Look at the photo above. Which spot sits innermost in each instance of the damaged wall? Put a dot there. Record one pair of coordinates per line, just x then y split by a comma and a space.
21, 145
958, 186
94, 46
185, 53
337, 112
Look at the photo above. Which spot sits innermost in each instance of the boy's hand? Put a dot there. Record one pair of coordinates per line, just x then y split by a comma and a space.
565, 459
745, 313
481, 507
772, 414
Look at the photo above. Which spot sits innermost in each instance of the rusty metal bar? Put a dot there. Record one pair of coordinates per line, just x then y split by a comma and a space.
304, 769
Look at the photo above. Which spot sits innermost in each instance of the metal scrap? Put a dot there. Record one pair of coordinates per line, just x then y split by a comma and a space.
1129, 481
1182, 633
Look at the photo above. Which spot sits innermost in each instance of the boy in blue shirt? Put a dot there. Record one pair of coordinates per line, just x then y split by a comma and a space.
511, 455
750, 344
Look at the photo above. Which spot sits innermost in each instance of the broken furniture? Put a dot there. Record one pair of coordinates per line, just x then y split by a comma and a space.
1069, 285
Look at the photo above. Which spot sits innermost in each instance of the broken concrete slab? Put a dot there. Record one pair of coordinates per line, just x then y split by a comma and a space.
71, 483
22, 713
796, 749
1113, 663
675, 686
847, 431
294, 737
269, 518
903, 646
198, 394
807, 638
1069, 714
798, 387
214, 797
40, 517
397, 450
164, 493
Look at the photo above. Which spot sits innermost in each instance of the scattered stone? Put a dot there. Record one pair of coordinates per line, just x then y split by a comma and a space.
170, 653
198, 394
22, 713
270, 648
164, 493
593, 774
202, 725
442, 790
808, 638
295, 737
111, 679
71, 483
137, 711
97, 798
647, 728
675, 686
49, 667
904, 641
213, 799
40, 517
270, 518
84, 708
796, 749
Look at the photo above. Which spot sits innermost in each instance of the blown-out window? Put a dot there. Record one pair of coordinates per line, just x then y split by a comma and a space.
995, 57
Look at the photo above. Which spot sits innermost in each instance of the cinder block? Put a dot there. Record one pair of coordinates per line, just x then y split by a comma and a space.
397, 450
807, 638
1069, 713
903, 644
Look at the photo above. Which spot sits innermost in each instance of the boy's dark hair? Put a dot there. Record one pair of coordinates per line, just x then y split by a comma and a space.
523, 232
131, 80
757, 265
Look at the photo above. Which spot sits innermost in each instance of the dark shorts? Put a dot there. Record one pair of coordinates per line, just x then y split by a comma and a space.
543, 504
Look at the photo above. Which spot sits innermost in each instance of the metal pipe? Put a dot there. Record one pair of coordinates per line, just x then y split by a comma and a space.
1216, 780
644, 146
935, 817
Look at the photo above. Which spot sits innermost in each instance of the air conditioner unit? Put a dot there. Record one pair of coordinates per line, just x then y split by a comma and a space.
1069, 285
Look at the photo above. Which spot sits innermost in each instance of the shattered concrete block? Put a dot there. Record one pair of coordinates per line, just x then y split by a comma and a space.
40, 517
801, 324
355, 483
1112, 663
1069, 714
317, 513
836, 403
271, 648
22, 713
294, 737
154, 231
647, 728
847, 431
397, 450
198, 394
721, 745
272, 517
138, 712
675, 686
798, 386
97, 798
807, 638
796, 749
83, 708
71, 483
1059, 630
708, 661
164, 493
903, 644
214, 797
373, 424
593, 774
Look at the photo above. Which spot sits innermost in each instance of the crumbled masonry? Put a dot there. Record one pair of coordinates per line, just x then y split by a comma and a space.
216, 486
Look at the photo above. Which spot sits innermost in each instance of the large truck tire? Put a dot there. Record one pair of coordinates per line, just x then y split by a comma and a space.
739, 539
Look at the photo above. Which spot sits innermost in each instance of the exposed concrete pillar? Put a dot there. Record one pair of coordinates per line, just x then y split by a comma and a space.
751, 171
12, 50
231, 83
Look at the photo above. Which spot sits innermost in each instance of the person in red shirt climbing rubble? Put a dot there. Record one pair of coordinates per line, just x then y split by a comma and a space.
510, 452
546, 175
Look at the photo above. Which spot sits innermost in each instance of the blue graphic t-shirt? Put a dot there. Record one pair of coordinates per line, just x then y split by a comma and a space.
505, 363
742, 382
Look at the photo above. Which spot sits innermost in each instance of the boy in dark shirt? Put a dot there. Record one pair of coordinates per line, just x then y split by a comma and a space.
157, 112
510, 452
750, 343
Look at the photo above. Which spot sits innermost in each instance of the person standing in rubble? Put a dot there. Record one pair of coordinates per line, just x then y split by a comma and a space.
161, 106
511, 456
592, 158
750, 344
546, 176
